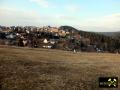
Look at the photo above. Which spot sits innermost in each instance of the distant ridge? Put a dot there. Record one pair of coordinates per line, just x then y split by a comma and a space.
110, 33
82, 32
68, 28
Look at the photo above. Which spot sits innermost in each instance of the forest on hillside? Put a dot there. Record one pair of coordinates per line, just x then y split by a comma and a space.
109, 43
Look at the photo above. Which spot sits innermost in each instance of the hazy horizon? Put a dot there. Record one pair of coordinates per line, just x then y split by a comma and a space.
87, 15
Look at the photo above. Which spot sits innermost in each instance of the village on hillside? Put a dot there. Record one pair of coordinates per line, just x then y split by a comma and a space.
50, 38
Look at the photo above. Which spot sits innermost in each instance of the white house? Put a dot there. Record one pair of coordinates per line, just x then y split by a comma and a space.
45, 41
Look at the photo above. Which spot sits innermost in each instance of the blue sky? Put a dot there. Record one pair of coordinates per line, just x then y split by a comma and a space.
89, 15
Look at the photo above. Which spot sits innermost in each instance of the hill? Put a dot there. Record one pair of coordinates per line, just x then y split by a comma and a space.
68, 29
105, 41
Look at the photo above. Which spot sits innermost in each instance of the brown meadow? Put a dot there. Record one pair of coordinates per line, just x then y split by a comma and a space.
46, 69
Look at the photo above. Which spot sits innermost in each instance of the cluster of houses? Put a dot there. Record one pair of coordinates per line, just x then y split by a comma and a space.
44, 37
31, 36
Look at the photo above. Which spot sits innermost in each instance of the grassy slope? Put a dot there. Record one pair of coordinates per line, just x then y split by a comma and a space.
42, 69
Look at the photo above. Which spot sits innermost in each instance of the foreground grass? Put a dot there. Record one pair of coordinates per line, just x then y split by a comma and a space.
42, 69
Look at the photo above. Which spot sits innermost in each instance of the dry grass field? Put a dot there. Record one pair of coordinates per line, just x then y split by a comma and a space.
43, 69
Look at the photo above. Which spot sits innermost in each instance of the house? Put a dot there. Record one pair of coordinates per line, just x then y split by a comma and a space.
53, 30
62, 33
67, 32
46, 44
45, 41
25, 42
11, 36
52, 41
27, 31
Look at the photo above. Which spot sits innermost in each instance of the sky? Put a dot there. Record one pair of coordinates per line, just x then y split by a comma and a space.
87, 15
